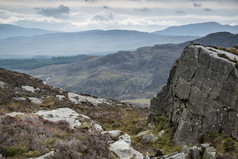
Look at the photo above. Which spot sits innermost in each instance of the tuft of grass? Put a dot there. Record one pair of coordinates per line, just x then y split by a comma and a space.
15, 150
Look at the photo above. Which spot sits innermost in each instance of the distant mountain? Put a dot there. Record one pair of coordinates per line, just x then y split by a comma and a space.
126, 75
198, 29
7, 30
94, 41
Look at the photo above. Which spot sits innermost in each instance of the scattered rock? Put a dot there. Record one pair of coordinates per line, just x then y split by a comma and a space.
122, 148
28, 88
61, 97
77, 99
176, 156
2, 84
19, 98
66, 114
142, 133
210, 153
185, 149
44, 156
13, 114
114, 133
194, 153
161, 133
204, 146
35, 100
150, 137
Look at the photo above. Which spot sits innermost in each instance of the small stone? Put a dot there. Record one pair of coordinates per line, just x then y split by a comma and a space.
28, 88
61, 97
13, 114
161, 133
19, 98
35, 100
142, 133
114, 133
185, 149
2, 84
210, 153
150, 137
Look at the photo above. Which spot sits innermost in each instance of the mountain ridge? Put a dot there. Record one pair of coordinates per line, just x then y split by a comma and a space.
198, 29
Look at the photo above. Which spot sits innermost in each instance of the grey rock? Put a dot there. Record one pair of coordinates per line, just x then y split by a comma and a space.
19, 98
150, 137
2, 84
176, 156
185, 149
142, 133
35, 100
161, 133
201, 94
194, 153
210, 153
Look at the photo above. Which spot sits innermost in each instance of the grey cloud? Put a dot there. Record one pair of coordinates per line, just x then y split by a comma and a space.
105, 7
58, 12
106, 18
196, 3
207, 9
180, 12
143, 9
90, 0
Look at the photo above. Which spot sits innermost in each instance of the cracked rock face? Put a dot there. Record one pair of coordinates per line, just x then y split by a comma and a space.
201, 94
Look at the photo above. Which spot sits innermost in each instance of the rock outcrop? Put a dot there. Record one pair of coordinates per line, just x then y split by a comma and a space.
201, 94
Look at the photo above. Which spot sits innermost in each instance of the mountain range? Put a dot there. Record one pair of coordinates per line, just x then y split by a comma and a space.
18, 42
198, 29
7, 30
126, 75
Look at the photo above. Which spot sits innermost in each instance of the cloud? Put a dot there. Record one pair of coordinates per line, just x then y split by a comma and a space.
196, 3
207, 9
90, 0
106, 17
59, 12
145, 9
180, 12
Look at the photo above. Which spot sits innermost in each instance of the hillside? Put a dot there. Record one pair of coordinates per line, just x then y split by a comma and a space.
124, 75
7, 30
37, 119
198, 29
86, 42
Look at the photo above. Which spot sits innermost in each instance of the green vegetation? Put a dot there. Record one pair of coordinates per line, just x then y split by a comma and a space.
224, 144
29, 64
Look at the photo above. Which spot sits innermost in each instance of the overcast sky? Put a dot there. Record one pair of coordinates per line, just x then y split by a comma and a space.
143, 15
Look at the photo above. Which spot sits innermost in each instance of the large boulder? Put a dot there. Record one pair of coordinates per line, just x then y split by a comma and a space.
201, 94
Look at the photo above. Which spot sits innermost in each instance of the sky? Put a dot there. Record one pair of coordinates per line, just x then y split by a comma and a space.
142, 15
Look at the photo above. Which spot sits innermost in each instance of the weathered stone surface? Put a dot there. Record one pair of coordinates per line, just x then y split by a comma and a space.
201, 94
66, 114
122, 148
2, 84
150, 137
19, 98
176, 156
210, 153
142, 133
35, 100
